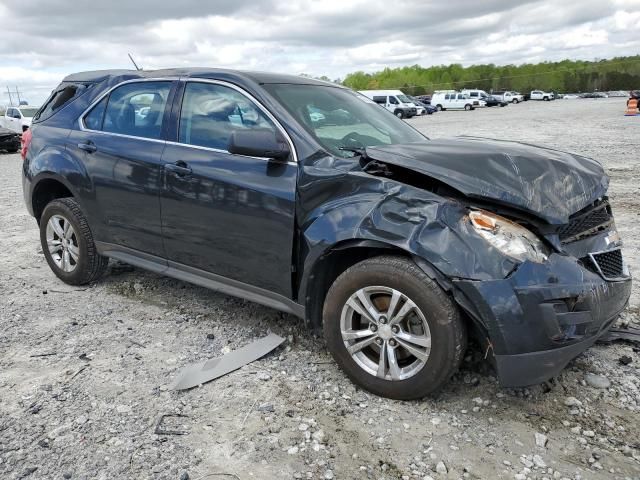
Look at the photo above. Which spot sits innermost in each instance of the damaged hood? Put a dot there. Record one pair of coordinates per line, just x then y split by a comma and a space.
547, 183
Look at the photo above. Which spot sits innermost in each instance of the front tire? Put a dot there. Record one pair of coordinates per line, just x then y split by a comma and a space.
468, 107
515, 100
67, 243
399, 113
392, 329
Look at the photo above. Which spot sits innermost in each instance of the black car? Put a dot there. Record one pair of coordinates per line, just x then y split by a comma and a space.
9, 140
495, 101
397, 246
428, 109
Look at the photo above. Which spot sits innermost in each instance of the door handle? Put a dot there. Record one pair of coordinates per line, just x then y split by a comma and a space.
180, 168
88, 147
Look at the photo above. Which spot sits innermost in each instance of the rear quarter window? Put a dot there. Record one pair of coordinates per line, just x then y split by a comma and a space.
61, 96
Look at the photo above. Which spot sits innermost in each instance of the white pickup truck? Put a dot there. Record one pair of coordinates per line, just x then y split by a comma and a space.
19, 118
540, 95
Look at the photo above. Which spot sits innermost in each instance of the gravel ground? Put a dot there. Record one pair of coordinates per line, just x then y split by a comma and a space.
84, 372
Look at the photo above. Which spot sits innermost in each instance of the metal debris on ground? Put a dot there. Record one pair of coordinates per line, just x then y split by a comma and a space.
161, 429
199, 373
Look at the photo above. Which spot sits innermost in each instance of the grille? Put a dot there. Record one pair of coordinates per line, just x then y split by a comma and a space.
587, 222
608, 264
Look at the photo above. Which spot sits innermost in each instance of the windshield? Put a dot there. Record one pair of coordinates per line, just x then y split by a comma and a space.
28, 112
404, 98
338, 117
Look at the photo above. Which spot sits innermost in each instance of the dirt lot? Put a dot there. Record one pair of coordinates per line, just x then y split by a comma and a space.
84, 372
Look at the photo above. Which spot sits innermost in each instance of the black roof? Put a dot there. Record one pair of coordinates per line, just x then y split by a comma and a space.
258, 77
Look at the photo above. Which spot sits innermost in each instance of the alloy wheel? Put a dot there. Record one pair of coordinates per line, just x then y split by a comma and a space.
62, 242
385, 333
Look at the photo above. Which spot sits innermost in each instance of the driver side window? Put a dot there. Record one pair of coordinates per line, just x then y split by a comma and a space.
211, 112
393, 100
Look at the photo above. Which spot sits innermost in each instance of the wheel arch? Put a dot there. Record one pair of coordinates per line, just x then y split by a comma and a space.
48, 187
343, 255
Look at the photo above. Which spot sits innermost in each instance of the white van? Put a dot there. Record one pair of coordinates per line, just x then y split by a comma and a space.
452, 100
393, 100
475, 94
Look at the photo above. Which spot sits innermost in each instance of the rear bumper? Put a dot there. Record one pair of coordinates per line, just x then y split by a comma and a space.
542, 316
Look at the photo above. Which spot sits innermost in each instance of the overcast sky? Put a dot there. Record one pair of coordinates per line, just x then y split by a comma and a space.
44, 40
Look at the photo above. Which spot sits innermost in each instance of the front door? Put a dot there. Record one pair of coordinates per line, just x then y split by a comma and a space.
227, 214
120, 144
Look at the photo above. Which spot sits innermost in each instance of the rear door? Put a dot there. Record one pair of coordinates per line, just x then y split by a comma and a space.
120, 142
227, 214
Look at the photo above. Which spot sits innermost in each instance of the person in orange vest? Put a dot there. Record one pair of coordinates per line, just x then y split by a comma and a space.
633, 103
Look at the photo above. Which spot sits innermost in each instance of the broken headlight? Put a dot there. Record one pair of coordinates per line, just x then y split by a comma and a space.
510, 238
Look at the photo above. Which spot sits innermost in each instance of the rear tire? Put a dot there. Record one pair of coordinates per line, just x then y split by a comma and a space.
439, 108
67, 243
431, 326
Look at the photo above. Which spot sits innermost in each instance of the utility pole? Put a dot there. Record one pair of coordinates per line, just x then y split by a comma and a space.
16, 92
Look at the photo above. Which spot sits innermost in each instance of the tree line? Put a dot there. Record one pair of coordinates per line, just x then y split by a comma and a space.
620, 73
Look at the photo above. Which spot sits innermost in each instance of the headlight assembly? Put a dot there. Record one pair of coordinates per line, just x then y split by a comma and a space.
510, 238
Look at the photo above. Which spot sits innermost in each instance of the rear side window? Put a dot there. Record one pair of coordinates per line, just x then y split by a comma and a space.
60, 97
380, 100
135, 109
93, 121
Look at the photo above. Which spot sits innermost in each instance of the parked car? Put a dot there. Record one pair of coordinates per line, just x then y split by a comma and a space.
493, 101
427, 109
393, 100
509, 96
475, 94
540, 95
424, 99
452, 100
9, 140
594, 95
18, 119
398, 247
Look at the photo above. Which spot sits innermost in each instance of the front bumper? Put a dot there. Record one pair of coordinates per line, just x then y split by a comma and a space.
542, 316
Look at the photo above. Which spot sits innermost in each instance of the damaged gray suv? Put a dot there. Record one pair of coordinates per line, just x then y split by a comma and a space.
311, 199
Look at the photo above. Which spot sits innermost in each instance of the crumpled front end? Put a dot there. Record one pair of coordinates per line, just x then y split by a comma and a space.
535, 314
543, 315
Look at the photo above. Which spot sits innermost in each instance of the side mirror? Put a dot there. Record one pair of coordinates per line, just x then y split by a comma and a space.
258, 143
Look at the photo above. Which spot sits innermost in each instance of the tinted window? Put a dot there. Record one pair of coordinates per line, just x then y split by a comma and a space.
135, 109
380, 99
93, 121
210, 113
473, 94
393, 100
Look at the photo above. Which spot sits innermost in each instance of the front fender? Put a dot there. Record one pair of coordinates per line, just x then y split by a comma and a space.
415, 221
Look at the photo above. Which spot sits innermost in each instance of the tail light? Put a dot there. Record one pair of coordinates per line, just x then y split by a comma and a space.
26, 141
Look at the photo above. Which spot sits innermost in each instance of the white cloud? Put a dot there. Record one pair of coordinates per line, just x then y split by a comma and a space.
45, 40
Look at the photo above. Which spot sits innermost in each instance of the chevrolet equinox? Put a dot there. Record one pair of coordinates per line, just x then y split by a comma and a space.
311, 199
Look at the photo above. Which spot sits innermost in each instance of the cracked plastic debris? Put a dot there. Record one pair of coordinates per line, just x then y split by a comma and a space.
630, 334
203, 372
